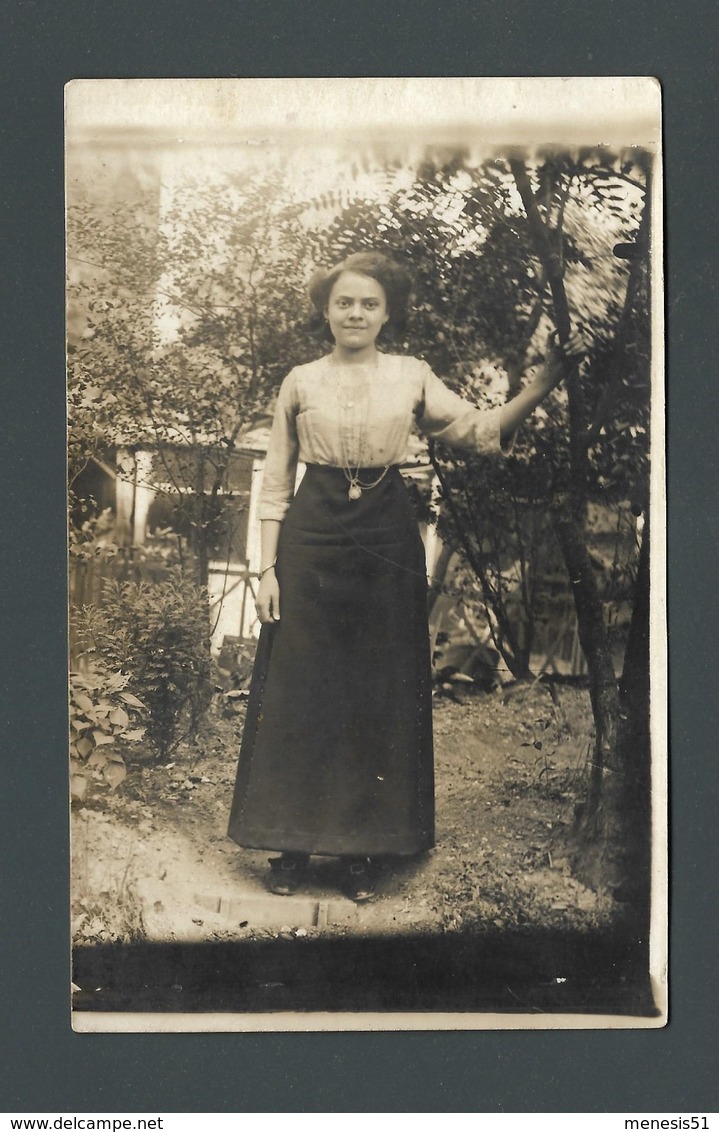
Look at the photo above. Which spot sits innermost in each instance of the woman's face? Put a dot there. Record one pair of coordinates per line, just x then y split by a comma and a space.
356, 311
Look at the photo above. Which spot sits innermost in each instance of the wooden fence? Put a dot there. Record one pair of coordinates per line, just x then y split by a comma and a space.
88, 577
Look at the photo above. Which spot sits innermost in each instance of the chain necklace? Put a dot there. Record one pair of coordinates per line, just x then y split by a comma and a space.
356, 485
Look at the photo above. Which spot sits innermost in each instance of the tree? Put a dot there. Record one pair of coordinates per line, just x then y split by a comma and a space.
618, 382
502, 253
192, 321
185, 326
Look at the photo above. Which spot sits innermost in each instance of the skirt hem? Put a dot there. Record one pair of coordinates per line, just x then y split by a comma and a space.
348, 847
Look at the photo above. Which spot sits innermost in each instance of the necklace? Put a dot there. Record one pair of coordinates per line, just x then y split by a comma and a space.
356, 485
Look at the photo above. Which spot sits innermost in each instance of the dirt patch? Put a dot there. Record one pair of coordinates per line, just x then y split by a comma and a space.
152, 860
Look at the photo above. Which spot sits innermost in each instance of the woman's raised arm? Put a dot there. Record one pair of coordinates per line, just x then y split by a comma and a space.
520, 407
447, 417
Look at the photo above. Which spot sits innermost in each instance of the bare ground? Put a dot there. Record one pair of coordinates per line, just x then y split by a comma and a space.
152, 860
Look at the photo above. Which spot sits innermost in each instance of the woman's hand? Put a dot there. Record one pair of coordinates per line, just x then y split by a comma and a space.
551, 373
268, 597
554, 368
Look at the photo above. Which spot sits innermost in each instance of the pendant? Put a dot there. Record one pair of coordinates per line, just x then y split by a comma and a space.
355, 491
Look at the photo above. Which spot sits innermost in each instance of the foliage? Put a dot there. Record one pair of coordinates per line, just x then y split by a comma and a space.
102, 714
235, 665
503, 253
180, 333
92, 537
106, 904
156, 635
188, 326
483, 308
183, 330
111, 916
504, 542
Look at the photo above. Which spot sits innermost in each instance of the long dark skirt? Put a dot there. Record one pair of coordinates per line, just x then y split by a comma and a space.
336, 756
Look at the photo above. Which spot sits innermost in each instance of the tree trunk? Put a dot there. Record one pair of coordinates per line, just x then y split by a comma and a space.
596, 814
567, 517
593, 638
635, 746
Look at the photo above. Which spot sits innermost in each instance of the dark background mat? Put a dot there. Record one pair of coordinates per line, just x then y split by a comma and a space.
44, 1066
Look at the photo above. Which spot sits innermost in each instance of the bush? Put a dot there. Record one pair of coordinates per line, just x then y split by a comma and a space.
102, 712
158, 635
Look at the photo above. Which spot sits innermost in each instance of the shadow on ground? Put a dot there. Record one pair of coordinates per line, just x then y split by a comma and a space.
536, 973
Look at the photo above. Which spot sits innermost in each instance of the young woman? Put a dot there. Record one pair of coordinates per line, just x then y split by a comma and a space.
336, 756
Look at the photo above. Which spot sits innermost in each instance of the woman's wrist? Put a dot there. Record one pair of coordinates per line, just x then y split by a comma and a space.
542, 385
547, 379
266, 569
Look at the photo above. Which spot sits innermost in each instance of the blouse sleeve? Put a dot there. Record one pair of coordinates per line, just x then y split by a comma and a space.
444, 415
280, 471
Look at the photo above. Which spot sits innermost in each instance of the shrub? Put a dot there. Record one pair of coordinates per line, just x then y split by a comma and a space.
102, 712
158, 635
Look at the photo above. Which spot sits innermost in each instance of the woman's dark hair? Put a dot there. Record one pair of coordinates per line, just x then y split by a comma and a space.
392, 277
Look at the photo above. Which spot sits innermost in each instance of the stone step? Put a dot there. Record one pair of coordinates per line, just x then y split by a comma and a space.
278, 911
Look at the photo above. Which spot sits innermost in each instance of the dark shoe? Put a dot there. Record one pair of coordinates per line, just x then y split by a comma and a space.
358, 883
286, 873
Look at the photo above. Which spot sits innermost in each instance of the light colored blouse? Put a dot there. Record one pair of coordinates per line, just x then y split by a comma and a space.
360, 416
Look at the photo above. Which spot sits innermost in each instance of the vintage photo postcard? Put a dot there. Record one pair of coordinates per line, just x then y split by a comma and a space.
367, 573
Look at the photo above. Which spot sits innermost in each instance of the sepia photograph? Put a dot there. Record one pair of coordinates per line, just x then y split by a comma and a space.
367, 643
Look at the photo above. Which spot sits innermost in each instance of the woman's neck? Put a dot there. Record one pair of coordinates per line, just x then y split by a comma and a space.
368, 357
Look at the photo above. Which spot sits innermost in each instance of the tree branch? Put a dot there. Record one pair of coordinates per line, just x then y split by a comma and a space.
551, 262
620, 342
512, 654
